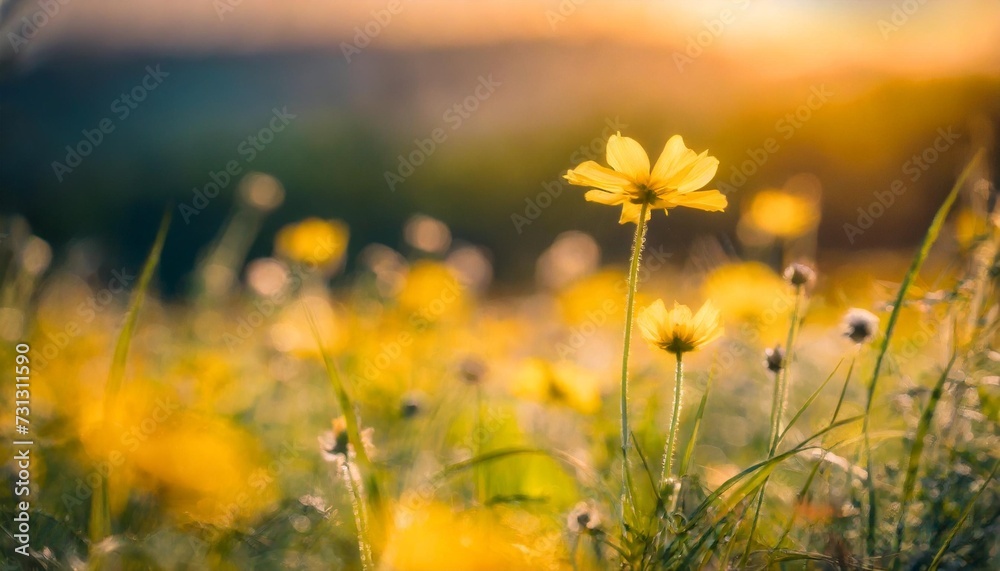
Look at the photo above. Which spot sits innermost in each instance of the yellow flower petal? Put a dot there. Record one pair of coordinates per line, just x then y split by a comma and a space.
674, 156
604, 197
593, 174
631, 211
628, 157
700, 172
649, 320
710, 200
680, 313
682, 174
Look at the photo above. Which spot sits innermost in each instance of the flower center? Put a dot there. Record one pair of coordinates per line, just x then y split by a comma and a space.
642, 194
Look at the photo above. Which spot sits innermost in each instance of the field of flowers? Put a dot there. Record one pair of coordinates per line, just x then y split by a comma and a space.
758, 412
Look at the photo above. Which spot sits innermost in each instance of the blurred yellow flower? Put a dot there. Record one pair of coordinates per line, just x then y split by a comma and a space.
560, 383
429, 292
970, 226
749, 291
119, 428
313, 241
293, 333
674, 180
434, 537
782, 214
678, 330
205, 470
595, 298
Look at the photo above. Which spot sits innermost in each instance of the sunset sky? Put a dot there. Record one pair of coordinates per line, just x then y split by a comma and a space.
913, 36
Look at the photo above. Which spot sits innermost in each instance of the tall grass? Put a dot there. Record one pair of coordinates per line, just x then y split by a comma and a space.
100, 511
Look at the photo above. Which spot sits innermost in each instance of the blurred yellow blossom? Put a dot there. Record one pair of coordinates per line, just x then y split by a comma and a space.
430, 291
601, 295
750, 292
434, 537
782, 214
969, 225
313, 241
205, 470
562, 383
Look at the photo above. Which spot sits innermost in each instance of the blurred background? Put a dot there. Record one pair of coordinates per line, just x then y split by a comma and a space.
373, 111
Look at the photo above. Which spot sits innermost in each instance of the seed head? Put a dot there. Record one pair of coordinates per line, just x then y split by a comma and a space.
860, 325
472, 370
800, 275
774, 359
584, 518
411, 405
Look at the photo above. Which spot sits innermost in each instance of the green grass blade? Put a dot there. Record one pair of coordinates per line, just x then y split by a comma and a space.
806, 404
762, 465
699, 415
758, 502
100, 511
490, 456
936, 562
798, 499
645, 466
843, 390
929, 238
715, 534
117, 374
913, 466
350, 417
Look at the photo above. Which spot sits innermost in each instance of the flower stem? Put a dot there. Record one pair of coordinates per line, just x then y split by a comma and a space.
478, 440
668, 452
633, 272
781, 387
777, 411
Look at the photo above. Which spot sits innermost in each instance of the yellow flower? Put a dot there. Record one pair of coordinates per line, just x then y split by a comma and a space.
677, 330
205, 469
431, 291
674, 180
313, 241
749, 291
561, 383
782, 214
434, 537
